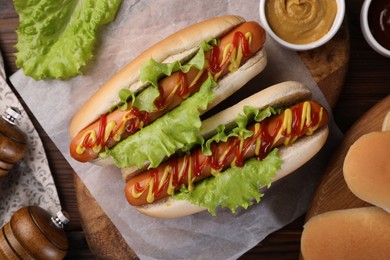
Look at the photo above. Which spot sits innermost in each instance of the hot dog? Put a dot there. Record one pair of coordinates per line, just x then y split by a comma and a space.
234, 54
300, 126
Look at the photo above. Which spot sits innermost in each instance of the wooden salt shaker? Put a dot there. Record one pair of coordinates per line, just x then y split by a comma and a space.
33, 234
13, 141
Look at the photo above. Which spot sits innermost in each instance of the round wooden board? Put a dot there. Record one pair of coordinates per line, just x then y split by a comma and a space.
332, 192
327, 64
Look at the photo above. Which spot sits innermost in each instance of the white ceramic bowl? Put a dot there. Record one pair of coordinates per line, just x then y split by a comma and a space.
367, 32
303, 47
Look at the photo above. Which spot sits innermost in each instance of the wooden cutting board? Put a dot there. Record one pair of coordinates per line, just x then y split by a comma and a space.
328, 66
333, 192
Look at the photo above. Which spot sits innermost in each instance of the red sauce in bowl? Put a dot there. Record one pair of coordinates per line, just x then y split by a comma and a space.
379, 21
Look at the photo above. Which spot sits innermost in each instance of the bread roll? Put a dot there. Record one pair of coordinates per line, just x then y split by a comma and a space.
358, 234
367, 169
386, 122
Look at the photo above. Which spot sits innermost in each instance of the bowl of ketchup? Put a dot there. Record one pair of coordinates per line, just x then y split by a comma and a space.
375, 25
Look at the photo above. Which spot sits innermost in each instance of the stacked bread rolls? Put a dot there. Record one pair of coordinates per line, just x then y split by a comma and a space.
357, 233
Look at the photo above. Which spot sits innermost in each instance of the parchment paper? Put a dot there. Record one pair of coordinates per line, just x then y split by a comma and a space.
138, 25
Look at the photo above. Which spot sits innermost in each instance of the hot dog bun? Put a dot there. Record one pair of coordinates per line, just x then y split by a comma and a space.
179, 46
367, 168
293, 156
282, 93
360, 233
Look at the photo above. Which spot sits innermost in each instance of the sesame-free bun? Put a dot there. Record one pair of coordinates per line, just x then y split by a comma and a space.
367, 168
358, 234
287, 92
179, 46
293, 156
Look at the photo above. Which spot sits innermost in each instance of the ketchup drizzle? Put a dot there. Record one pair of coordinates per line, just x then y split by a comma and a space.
267, 131
141, 118
87, 143
182, 91
267, 138
137, 120
238, 37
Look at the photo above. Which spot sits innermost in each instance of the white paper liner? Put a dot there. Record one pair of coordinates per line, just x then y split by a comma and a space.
30, 181
138, 25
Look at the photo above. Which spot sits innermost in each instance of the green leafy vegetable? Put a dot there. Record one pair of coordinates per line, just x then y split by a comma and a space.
175, 130
259, 115
56, 37
235, 187
125, 95
250, 113
178, 129
145, 100
152, 71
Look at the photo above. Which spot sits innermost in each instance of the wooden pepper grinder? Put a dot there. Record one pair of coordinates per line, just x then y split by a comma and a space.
13, 141
33, 234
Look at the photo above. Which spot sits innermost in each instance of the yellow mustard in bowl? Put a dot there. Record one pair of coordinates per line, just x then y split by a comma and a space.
300, 21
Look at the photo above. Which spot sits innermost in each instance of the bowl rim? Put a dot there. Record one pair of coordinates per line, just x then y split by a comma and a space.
339, 18
370, 39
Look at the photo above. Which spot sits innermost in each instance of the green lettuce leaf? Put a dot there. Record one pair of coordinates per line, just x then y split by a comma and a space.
145, 100
125, 95
250, 114
220, 136
56, 38
235, 187
176, 130
152, 71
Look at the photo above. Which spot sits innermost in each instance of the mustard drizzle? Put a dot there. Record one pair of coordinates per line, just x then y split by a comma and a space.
91, 135
285, 131
235, 57
286, 128
233, 65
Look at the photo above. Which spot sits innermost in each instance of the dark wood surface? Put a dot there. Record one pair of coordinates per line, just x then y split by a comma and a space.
367, 82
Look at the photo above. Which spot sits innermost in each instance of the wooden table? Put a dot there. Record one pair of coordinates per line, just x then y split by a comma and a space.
367, 82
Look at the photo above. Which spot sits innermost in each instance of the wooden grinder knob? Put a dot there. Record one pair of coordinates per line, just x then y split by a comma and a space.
32, 234
13, 142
